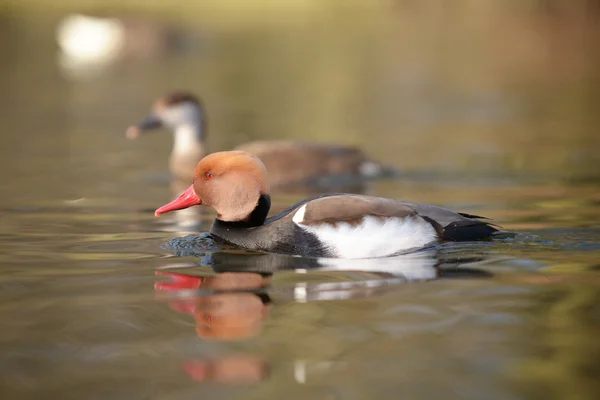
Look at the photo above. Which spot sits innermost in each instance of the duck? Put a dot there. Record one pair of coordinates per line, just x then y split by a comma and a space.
290, 162
332, 225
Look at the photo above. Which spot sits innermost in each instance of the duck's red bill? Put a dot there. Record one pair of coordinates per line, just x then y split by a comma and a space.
177, 281
186, 199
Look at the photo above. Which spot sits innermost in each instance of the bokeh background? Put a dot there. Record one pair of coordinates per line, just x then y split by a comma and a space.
496, 102
505, 87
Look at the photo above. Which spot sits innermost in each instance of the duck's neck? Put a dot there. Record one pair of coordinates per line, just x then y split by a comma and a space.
235, 232
188, 140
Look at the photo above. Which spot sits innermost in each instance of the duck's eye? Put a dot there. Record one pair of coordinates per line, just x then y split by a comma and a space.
208, 175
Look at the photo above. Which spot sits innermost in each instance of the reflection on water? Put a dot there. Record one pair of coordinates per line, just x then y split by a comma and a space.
233, 306
486, 107
231, 312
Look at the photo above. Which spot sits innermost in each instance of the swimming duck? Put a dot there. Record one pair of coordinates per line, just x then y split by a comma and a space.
289, 162
235, 184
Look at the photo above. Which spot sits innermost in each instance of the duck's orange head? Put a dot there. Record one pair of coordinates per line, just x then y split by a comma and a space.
231, 182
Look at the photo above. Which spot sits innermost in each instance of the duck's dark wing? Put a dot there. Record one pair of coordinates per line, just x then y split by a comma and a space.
472, 216
456, 227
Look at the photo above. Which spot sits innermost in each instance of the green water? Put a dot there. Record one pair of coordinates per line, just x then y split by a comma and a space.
100, 299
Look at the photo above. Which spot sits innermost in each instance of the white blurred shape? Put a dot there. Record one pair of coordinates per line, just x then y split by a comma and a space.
89, 44
90, 39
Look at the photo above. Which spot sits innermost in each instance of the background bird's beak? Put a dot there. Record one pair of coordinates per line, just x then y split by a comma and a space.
149, 123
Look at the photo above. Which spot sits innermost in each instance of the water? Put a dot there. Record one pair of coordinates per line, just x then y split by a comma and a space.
100, 299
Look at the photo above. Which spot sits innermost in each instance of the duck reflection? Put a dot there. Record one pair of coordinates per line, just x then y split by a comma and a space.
235, 303
229, 310
439, 262
230, 369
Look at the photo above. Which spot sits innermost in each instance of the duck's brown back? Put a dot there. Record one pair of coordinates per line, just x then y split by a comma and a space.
290, 162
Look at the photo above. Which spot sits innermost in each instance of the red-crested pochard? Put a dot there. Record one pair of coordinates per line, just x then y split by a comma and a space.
289, 162
235, 184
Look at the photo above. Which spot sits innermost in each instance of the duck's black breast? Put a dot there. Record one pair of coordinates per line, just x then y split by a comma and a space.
278, 234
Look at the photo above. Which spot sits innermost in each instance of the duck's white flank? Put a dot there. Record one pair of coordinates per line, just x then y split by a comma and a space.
373, 236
